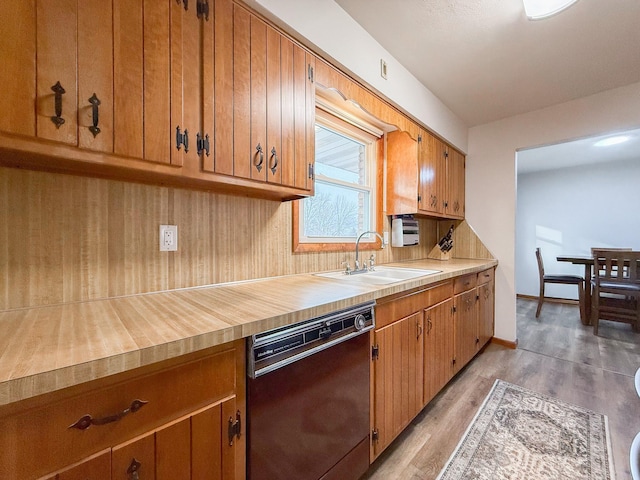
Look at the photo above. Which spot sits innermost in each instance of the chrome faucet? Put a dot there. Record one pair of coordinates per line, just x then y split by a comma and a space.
357, 264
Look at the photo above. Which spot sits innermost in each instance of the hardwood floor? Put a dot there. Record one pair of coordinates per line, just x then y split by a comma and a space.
557, 356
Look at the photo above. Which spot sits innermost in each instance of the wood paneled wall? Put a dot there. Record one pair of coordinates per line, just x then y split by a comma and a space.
68, 238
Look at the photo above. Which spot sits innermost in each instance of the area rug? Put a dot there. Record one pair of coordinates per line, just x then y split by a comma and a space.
518, 434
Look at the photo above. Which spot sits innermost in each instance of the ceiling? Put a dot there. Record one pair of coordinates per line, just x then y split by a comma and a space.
486, 61
579, 152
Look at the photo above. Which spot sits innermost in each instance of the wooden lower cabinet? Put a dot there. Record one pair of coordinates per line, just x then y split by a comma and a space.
466, 327
486, 306
422, 339
182, 432
398, 378
439, 348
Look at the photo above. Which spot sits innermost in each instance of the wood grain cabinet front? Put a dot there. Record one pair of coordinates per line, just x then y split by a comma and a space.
173, 418
160, 92
424, 177
473, 314
263, 87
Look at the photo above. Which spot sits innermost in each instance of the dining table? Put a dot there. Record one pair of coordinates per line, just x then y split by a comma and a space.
587, 261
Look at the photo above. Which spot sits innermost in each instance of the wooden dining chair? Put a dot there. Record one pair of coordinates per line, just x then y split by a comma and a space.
559, 279
616, 287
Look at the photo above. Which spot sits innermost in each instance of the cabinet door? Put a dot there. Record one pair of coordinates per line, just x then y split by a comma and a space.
398, 379
243, 150
466, 327
432, 175
18, 72
213, 455
185, 84
402, 173
56, 79
95, 75
455, 184
486, 311
96, 467
157, 93
439, 348
258, 100
304, 68
218, 87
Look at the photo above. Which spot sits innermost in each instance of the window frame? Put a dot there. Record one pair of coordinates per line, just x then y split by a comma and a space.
375, 188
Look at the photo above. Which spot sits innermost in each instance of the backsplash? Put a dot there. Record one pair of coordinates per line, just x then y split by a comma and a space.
69, 238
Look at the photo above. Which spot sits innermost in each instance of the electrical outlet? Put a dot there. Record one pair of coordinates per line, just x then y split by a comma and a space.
168, 238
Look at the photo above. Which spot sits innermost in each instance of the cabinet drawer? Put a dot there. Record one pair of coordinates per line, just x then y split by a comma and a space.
389, 310
464, 283
440, 293
486, 276
169, 393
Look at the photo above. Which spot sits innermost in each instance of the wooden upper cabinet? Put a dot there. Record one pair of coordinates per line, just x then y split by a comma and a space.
455, 184
218, 102
56, 71
263, 89
424, 177
58, 79
207, 86
156, 81
432, 174
402, 173
95, 75
18, 72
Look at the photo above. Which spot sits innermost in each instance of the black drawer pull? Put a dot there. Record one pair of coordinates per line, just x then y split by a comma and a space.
258, 157
95, 103
58, 91
86, 421
274, 155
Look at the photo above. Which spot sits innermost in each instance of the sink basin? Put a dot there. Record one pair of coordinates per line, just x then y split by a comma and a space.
381, 275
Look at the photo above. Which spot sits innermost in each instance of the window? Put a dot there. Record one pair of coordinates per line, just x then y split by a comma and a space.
344, 203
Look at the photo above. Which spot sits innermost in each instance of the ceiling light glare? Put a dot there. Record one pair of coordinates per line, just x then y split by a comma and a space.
607, 142
538, 9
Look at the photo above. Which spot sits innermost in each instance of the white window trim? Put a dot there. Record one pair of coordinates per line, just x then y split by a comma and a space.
362, 132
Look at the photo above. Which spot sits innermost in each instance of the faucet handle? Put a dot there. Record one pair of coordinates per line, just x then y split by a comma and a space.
372, 262
347, 270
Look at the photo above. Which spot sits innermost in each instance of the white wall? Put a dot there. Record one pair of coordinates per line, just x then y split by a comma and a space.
491, 174
328, 28
556, 211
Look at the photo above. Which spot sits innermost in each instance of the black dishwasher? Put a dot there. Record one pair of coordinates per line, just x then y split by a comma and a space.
308, 398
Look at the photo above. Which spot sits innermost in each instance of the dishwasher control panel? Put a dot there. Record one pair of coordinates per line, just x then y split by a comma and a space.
276, 348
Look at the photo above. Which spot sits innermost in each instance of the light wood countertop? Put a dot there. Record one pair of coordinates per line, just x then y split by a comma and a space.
49, 348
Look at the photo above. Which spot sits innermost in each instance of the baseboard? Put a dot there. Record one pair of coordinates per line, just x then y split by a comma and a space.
505, 343
567, 301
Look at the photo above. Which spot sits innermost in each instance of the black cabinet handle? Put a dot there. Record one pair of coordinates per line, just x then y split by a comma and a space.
58, 91
275, 160
86, 421
95, 103
258, 157
132, 471
184, 2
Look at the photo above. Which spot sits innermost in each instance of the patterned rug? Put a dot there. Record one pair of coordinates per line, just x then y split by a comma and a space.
518, 434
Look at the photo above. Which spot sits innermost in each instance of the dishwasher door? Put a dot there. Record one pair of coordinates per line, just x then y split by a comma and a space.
310, 419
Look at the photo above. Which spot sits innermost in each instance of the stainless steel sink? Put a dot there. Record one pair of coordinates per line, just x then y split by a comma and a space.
381, 275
